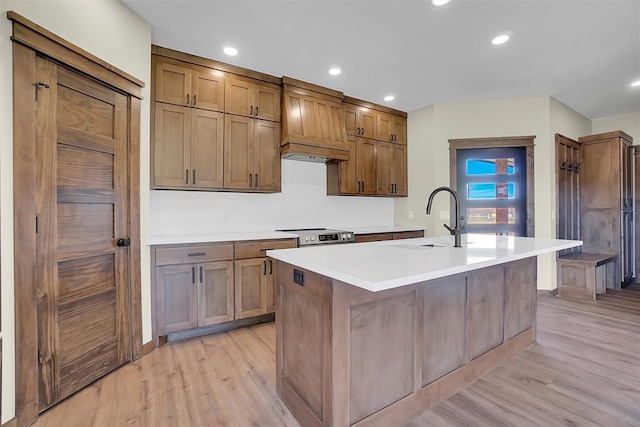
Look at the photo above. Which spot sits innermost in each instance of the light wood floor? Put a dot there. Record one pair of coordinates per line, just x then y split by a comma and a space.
583, 371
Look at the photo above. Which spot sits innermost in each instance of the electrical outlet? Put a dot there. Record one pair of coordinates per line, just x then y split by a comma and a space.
444, 215
410, 214
226, 216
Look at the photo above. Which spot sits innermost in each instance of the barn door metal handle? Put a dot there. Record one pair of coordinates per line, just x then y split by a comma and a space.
39, 85
123, 242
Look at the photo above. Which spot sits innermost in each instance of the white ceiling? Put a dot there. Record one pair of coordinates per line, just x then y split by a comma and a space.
584, 53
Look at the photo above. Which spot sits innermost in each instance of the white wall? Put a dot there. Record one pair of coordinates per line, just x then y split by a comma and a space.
303, 203
112, 32
628, 123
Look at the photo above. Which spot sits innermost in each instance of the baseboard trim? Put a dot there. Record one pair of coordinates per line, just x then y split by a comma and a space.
548, 292
147, 348
13, 422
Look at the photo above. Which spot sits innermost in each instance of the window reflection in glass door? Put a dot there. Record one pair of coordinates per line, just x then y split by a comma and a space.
492, 188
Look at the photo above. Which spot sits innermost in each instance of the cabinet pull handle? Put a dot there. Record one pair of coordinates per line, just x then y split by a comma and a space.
251, 111
188, 99
194, 99
201, 281
186, 176
362, 131
358, 131
395, 188
391, 188
270, 267
194, 177
193, 275
256, 111
250, 180
392, 137
197, 254
264, 268
256, 180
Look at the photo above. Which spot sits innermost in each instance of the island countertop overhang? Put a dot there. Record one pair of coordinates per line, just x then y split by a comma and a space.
386, 265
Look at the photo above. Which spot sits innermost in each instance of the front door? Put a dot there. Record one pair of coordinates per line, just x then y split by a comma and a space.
82, 269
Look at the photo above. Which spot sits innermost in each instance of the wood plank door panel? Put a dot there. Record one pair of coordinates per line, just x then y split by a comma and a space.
215, 292
267, 102
367, 164
250, 286
82, 209
176, 298
172, 147
173, 84
208, 89
207, 149
239, 97
384, 165
266, 155
349, 174
238, 152
399, 169
399, 129
384, 127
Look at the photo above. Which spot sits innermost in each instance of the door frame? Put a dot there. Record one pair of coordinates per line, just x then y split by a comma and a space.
30, 40
499, 142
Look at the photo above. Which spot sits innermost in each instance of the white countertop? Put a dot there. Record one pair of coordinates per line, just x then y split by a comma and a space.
218, 237
390, 264
382, 229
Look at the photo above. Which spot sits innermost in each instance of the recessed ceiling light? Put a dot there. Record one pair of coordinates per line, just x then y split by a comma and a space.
439, 2
634, 84
389, 98
501, 39
231, 51
334, 71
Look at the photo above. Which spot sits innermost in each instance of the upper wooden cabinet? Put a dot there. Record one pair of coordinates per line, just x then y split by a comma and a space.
356, 176
360, 121
391, 169
188, 148
252, 98
251, 154
391, 127
190, 85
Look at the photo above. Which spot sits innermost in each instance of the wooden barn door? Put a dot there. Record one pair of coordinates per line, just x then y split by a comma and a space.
82, 231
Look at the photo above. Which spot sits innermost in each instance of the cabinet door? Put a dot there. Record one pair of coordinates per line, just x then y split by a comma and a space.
267, 102
239, 97
238, 152
266, 155
172, 146
399, 170
384, 129
399, 129
250, 287
367, 165
215, 292
208, 89
351, 119
207, 149
271, 290
349, 174
173, 84
367, 122
176, 298
383, 162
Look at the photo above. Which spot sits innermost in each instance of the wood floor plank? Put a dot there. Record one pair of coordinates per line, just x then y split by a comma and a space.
584, 370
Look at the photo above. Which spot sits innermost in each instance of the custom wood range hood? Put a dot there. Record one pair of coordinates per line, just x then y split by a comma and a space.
313, 125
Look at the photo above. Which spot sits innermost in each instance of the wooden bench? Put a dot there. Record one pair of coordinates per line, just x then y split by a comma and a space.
584, 275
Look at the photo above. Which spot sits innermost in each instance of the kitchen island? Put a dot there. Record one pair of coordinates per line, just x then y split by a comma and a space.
375, 333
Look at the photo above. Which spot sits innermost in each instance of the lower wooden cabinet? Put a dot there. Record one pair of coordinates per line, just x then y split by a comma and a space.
254, 287
377, 237
193, 295
210, 283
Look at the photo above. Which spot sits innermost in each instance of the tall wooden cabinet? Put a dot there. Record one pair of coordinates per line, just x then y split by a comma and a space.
607, 213
378, 164
213, 128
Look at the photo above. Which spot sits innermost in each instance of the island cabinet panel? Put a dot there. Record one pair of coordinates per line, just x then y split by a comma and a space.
444, 328
346, 356
518, 308
382, 349
486, 310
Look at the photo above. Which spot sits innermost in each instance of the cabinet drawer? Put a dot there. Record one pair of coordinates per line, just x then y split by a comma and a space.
194, 254
257, 249
375, 237
408, 235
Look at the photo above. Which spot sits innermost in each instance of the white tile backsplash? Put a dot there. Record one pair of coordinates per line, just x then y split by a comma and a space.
302, 203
